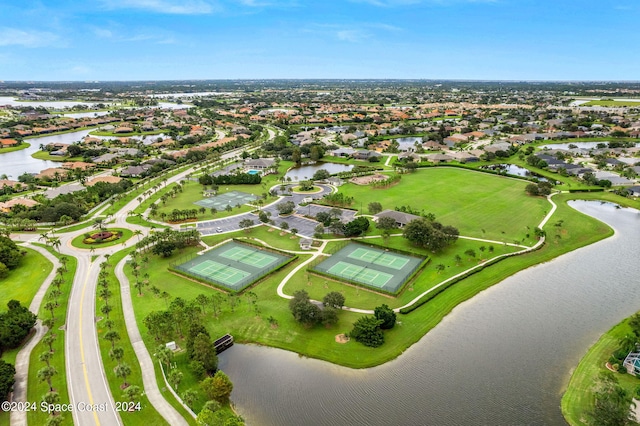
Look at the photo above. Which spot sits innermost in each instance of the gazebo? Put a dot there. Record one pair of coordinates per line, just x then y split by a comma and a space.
632, 363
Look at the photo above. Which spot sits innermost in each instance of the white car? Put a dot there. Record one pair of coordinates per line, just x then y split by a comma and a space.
218, 230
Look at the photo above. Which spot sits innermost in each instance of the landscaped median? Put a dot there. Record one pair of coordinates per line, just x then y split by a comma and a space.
102, 238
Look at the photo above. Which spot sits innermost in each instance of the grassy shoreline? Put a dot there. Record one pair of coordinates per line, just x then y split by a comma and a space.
578, 398
319, 342
20, 147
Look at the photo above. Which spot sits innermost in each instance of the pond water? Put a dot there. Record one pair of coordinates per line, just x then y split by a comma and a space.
411, 140
512, 169
9, 100
502, 358
15, 163
306, 172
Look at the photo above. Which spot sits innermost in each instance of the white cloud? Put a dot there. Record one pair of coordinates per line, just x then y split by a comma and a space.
173, 7
27, 38
115, 32
352, 36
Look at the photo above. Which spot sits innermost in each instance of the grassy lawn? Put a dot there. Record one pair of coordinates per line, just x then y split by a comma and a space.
44, 155
577, 401
611, 103
193, 192
147, 185
148, 414
319, 342
36, 388
126, 234
20, 147
270, 235
480, 205
137, 220
357, 297
24, 281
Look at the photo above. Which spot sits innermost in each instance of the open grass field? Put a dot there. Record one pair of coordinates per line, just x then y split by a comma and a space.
612, 103
578, 398
24, 281
319, 342
478, 204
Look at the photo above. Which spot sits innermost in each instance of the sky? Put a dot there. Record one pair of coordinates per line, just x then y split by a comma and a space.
102, 40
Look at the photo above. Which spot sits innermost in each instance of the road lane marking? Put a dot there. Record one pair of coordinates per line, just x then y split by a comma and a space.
84, 365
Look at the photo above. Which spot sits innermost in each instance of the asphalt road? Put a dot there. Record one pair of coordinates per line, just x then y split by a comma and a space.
86, 382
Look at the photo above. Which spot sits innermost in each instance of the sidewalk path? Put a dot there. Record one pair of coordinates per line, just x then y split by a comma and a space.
151, 389
22, 359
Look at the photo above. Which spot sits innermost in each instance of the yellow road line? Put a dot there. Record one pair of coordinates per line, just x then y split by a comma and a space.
84, 365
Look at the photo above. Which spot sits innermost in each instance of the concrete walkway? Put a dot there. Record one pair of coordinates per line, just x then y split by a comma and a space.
151, 389
22, 359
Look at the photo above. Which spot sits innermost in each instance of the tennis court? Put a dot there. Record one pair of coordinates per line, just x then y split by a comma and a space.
379, 258
219, 272
233, 265
231, 198
360, 273
249, 257
372, 266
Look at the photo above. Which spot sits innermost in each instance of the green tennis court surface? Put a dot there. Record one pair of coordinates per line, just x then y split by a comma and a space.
249, 257
379, 258
370, 265
360, 273
219, 272
233, 265
232, 198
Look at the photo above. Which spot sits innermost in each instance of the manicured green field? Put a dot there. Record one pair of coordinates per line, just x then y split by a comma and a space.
126, 234
478, 204
577, 401
319, 342
318, 286
611, 103
24, 281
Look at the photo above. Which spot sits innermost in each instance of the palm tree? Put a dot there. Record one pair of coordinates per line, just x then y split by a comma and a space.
137, 233
55, 243
45, 374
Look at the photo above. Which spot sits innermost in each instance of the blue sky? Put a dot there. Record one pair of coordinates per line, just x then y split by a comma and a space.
228, 39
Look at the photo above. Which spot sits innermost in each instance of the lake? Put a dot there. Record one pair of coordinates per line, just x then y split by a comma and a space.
501, 358
15, 163
306, 172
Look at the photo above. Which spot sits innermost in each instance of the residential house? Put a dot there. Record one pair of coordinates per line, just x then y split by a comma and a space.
402, 219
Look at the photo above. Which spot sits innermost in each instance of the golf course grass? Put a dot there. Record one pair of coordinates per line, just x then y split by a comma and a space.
478, 204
